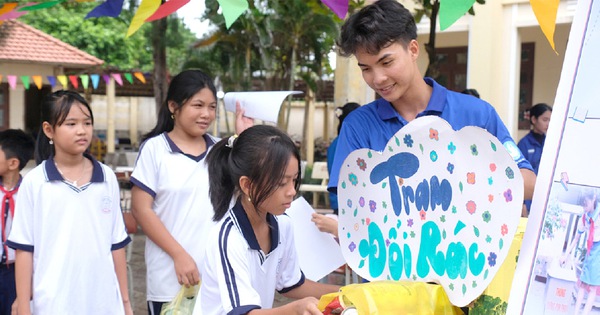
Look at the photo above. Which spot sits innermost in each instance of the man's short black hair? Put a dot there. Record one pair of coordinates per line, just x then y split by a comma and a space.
17, 144
377, 26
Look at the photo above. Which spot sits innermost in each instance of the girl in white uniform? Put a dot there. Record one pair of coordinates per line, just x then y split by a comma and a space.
68, 229
251, 251
170, 186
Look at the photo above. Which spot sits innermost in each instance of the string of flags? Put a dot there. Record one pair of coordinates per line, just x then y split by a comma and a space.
151, 10
74, 80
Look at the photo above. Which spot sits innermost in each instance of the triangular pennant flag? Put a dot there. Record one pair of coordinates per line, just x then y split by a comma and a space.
110, 8
0, 78
128, 77
41, 5
339, 7
25, 80
95, 80
63, 81
12, 81
7, 7
85, 79
232, 9
37, 79
117, 77
145, 10
452, 10
140, 76
15, 13
74, 81
106, 78
166, 9
545, 12
52, 80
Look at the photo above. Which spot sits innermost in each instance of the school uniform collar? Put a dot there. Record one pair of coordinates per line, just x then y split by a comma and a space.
435, 106
247, 231
53, 173
175, 149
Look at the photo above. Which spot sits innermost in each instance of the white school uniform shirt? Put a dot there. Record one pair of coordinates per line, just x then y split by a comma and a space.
237, 275
71, 232
178, 183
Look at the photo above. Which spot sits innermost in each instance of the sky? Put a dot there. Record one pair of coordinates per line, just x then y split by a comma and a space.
191, 14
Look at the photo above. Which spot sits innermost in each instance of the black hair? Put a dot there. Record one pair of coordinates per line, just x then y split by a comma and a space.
261, 153
377, 26
538, 110
55, 109
344, 111
17, 144
471, 92
182, 87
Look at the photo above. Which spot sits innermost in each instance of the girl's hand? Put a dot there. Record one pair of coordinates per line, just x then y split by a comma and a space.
307, 306
127, 306
241, 122
186, 270
325, 223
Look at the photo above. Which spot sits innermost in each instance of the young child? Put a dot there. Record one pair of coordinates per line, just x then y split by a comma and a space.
16, 149
170, 186
589, 280
68, 229
383, 38
251, 253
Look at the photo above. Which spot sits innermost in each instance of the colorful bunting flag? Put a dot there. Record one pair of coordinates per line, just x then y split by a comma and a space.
85, 79
7, 7
106, 78
15, 13
140, 76
25, 80
95, 80
110, 8
128, 77
52, 80
117, 77
452, 10
145, 10
41, 5
74, 81
63, 81
232, 9
166, 9
37, 79
545, 11
12, 81
339, 7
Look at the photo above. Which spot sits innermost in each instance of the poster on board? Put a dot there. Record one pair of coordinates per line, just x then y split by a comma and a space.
559, 262
436, 205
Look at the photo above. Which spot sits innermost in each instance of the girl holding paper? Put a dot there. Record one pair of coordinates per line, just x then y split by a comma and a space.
251, 253
170, 186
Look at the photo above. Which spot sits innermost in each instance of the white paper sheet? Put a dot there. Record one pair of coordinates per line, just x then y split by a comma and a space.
263, 105
318, 251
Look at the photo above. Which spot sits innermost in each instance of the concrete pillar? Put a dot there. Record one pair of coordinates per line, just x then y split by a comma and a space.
349, 84
133, 120
110, 119
310, 128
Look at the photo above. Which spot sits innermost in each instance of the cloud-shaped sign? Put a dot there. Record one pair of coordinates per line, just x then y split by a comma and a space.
436, 205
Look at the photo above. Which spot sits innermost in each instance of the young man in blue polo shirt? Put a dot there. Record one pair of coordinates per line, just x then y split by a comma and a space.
382, 37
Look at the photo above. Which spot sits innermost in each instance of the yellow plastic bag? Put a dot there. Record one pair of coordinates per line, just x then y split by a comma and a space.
183, 303
393, 297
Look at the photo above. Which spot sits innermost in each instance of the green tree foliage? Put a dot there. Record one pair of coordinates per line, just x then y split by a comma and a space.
105, 37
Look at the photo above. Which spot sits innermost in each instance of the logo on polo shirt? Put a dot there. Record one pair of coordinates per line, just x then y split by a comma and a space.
106, 204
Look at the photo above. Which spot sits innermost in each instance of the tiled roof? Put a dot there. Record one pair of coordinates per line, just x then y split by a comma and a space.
20, 42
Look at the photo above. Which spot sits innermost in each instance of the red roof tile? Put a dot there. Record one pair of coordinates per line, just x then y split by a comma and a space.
20, 42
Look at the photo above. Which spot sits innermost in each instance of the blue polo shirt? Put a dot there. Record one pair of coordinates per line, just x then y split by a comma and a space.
532, 149
372, 125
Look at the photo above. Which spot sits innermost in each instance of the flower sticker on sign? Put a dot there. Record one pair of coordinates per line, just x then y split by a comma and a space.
436, 205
